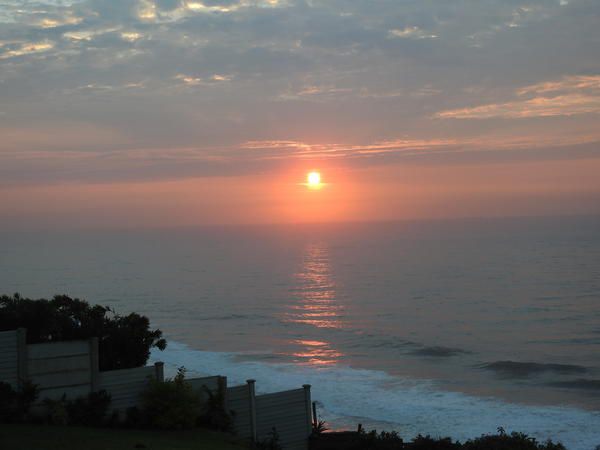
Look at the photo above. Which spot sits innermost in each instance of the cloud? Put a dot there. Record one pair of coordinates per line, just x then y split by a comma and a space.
190, 80
571, 83
283, 149
27, 158
568, 96
411, 33
216, 73
16, 49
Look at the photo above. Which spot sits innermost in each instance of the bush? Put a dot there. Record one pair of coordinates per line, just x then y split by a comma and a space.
15, 405
382, 441
514, 441
89, 410
133, 418
391, 441
172, 404
56, 411
270, 442
124, 341
429, 443
214, 413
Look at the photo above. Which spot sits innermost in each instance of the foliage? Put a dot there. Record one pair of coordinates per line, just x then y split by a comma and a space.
89, 410
392, 441
214, 413
319, 427
270, 442
172, 404
133, 418
382, 441
14, 405
124, 341
429, 443
514, 441
56, 411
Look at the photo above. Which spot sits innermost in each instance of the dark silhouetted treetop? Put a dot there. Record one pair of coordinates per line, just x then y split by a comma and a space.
124, 341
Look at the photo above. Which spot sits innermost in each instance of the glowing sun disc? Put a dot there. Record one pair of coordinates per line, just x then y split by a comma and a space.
313, 179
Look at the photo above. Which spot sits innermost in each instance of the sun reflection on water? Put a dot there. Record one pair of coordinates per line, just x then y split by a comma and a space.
316, 291
316, 305
316, 353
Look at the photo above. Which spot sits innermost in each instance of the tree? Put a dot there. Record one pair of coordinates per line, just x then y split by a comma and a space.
124, 341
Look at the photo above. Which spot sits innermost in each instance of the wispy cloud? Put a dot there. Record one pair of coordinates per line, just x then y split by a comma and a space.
568, 96
280, 149
25, 48
411, 33
572, 83
191, 80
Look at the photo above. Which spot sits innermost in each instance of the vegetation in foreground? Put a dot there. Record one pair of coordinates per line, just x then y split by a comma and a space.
392, 441
124, 341
45, 437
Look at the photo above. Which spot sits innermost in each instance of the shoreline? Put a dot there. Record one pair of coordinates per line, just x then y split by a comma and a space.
391, 404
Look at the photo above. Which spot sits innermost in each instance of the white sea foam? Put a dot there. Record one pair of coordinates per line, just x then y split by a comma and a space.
374, 398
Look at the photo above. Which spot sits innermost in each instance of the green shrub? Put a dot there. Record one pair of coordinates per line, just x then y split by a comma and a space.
90, 410
513, 441
172, 404
382, 441
391, 441
429, 443
56, 411
270, 442
15, 405
133, 418
214, 412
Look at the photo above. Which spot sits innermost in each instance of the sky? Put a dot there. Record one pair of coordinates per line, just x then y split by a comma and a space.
151, 113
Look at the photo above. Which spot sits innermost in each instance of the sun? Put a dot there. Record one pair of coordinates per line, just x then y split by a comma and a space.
313, 180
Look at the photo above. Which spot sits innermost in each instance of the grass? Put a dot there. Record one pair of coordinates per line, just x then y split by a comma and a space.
45, 437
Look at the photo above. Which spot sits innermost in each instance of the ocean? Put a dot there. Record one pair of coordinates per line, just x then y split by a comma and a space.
449, 328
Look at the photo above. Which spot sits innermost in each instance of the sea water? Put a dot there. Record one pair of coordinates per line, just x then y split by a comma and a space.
449, 328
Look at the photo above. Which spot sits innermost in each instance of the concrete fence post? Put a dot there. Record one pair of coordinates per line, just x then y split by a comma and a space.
159, 371
252, 399
21, 356
308, 404
94, 365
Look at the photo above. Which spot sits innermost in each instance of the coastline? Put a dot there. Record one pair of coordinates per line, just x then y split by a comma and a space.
375, 399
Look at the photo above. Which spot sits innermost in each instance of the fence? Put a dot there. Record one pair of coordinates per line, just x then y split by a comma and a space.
63, 368
240, 403
210, 384
289, 412
10, 364
71, 368
126, 385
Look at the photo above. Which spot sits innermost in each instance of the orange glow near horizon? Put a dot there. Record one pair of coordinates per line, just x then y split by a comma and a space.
394, 192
